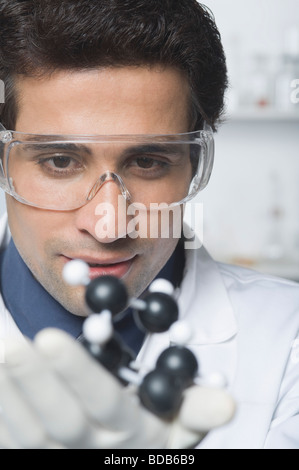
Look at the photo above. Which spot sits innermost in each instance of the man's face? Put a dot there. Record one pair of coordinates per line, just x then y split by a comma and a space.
107, 101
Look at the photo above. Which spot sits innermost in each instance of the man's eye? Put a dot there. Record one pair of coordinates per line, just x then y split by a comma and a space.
148, 163
145, 162
60, 165
61, 162
148, 167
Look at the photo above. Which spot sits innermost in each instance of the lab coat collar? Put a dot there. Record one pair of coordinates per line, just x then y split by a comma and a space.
203, 300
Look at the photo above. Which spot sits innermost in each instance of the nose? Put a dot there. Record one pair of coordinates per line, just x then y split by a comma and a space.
105, 217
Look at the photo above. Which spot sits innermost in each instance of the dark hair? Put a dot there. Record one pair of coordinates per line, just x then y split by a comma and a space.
38, 37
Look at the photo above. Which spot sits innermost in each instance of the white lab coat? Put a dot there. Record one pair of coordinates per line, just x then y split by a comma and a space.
245, 325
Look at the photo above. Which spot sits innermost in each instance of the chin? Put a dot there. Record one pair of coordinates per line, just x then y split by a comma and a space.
73, 300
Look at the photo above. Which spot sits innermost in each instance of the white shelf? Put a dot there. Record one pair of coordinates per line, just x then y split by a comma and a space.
285, 268
262, 114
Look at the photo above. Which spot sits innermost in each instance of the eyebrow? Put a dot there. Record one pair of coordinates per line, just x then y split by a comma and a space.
156, 148
59, 146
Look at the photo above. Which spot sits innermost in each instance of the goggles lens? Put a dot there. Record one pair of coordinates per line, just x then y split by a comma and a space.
61, 173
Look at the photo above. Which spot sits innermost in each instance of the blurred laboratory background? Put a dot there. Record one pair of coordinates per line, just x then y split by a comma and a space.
251, 205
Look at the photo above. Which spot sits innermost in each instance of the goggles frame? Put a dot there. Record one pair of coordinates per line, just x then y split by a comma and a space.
9, 138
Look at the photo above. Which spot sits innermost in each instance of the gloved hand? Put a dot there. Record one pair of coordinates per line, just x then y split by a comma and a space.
54, 395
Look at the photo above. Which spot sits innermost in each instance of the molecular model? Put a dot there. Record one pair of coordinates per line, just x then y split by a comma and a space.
160, 390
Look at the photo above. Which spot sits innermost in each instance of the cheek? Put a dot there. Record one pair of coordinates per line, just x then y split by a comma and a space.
154, 253
161, 251
166, 223
160, 222
163, 232
30, 227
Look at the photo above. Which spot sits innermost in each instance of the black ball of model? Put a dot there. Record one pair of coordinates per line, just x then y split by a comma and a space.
179, 362
160, 313
113, 355
109, 355
161, 394
106, 293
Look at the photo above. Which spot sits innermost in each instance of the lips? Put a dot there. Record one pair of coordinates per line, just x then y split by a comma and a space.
116, 269
113, 267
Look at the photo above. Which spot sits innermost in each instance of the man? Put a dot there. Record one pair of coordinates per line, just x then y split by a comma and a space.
77, 74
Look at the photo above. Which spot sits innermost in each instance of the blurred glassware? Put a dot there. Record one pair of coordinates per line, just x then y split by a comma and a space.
287, 71
257, 87
274, 249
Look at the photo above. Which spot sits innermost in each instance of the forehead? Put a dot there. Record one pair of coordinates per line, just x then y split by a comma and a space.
127, 100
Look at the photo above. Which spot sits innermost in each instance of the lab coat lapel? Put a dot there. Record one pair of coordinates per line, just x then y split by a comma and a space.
203, 300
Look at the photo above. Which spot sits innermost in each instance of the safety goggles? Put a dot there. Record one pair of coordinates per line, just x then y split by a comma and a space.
65, 172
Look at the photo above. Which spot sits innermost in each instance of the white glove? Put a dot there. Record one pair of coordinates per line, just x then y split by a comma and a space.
54, 395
